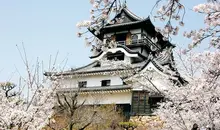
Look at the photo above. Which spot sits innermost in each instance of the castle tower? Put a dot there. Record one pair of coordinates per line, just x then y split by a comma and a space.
135, 86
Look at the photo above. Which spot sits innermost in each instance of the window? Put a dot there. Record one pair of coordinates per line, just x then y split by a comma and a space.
115, 56
140, 104
82, 84
143, 104
105, 82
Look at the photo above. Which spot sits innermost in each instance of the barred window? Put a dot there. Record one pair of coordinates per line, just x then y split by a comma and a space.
82, 84
106, 82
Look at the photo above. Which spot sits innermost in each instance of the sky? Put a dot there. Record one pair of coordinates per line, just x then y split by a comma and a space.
48, 27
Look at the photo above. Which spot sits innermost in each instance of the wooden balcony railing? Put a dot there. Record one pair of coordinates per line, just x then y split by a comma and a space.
145, 41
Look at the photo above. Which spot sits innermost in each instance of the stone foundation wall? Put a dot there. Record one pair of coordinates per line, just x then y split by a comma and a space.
147, 122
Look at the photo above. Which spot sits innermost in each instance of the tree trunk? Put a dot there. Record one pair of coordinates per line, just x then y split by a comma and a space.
70, 126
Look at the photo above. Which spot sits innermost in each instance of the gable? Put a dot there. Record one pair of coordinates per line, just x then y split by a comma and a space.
158, 69
124, 16
150, 78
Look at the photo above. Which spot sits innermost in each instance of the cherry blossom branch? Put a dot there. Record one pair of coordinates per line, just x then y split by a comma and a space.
170, 10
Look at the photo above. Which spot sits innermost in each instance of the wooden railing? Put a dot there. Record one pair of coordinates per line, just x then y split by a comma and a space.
145, 41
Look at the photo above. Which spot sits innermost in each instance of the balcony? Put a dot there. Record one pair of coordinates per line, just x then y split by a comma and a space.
145, 41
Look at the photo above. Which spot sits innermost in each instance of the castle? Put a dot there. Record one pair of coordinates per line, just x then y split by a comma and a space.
135, 87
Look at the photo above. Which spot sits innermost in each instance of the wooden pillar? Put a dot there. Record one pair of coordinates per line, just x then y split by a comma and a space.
128, 38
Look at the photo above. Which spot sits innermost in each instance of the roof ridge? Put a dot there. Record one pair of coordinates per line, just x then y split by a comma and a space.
132, 14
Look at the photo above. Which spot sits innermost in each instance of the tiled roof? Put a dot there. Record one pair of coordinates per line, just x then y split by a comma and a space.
89, 70
126, 24
132, 14
102, 89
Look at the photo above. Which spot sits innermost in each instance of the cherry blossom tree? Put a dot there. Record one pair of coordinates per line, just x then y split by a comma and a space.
74, 111
172, 13
26, 115
167, 12
198, 102
31, 106
211, 11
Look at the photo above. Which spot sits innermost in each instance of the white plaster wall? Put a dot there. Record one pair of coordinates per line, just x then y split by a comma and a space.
138, 49
127, 59
92, 81
114, 98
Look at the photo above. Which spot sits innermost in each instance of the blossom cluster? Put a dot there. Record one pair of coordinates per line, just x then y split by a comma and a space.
17, 112
84, 24
172, 10
199, 101
100, 14
212, 11
212, 22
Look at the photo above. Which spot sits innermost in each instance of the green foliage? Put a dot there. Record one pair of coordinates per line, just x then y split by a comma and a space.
128, 125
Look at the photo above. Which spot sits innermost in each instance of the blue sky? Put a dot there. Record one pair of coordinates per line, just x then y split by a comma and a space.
48, 26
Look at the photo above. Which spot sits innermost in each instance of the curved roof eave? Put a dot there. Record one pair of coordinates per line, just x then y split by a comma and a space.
87, 73
94, 62
129, 13
69, 71
125, 48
